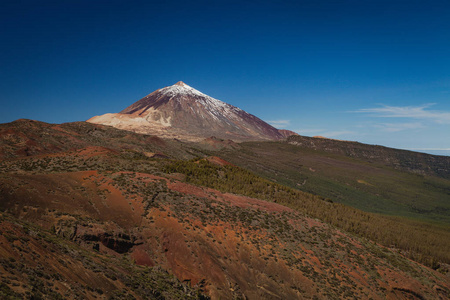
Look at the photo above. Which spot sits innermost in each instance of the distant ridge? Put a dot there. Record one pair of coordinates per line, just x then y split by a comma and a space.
406, 160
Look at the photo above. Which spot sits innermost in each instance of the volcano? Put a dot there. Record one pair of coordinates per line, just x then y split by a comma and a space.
182, 112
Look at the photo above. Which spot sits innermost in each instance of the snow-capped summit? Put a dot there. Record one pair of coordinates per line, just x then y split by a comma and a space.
182, 112
181, 91
180, 87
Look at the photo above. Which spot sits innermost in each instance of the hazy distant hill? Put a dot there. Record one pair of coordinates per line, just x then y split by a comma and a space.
411, 161
371, 178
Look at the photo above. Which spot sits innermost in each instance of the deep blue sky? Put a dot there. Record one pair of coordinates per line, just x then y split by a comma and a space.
372, 71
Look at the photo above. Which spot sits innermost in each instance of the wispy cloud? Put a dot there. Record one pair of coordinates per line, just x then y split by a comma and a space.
396, 127
279, 123
413, 112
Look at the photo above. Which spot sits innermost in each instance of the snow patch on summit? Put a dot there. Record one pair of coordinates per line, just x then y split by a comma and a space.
213, 105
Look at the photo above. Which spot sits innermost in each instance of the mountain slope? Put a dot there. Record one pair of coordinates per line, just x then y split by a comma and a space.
38, 264
224, 245
414, 162
371, 178
111, 221
180, 111
23, 138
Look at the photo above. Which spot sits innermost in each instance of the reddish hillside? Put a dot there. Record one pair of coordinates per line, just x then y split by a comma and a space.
110, 221
287, 133
24, 138
224, 244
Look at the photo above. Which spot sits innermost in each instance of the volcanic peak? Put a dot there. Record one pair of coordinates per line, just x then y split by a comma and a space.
181, 83
183, 112
180, 88
181, 91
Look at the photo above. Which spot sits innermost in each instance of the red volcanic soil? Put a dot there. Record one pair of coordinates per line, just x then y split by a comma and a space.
218, 161
32, 262
84, 153
224, 244
229, 246
23, 138
287, 133
94, 151
16, 143
86, 193
231, 199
